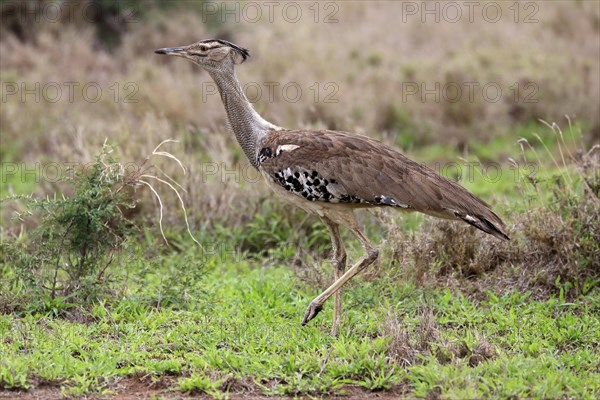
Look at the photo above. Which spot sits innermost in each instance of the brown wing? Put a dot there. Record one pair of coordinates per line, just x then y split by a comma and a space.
340, 167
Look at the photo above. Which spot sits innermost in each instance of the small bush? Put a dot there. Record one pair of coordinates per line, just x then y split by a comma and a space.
66, 259
69, 259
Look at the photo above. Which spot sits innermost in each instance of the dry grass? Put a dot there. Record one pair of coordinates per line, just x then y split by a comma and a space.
554, 248
410, 346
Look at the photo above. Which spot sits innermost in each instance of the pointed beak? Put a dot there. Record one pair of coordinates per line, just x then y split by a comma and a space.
171, 51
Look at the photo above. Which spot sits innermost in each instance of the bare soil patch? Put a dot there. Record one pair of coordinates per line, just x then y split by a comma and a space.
134, 389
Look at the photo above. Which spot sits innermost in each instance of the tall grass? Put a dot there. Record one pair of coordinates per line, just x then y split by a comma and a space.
555, 231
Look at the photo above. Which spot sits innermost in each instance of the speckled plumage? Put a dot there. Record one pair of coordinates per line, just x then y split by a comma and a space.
339, 167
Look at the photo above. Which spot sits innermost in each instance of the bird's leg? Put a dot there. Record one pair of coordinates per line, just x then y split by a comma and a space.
339, 263
367, 259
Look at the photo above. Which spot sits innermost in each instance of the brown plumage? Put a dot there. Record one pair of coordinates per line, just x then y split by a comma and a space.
330, 173
367, 170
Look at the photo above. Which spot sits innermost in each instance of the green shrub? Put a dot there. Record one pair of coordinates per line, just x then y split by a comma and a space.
66, 258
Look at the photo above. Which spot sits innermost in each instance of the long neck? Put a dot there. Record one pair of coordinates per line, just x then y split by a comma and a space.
247, 125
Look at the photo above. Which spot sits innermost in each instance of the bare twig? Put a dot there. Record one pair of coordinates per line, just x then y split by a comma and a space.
161, 207
167, 154
180, 201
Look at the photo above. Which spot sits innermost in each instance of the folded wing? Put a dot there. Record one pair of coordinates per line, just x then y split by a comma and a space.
339, 167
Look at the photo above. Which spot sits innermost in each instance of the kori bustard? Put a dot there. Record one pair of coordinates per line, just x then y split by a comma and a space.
331, 173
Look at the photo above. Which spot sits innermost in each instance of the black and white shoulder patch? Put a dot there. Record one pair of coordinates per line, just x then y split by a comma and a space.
285, 147
266, 152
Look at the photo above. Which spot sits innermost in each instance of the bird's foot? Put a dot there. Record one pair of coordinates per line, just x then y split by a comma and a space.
311, 312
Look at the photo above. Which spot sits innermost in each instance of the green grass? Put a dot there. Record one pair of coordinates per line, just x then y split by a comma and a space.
247, 329
226, 318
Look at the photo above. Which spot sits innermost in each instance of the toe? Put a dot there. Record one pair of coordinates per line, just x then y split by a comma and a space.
311, 312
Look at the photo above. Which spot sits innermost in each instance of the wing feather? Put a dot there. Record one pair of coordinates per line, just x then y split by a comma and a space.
362, 170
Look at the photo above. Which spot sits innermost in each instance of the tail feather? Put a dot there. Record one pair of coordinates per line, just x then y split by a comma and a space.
484, 224
459, 203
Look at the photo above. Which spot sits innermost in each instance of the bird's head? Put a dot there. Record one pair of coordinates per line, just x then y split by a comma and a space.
211, 54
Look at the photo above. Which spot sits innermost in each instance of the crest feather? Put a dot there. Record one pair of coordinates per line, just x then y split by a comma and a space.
240, 51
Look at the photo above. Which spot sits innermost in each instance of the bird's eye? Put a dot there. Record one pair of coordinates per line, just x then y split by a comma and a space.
203, 48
